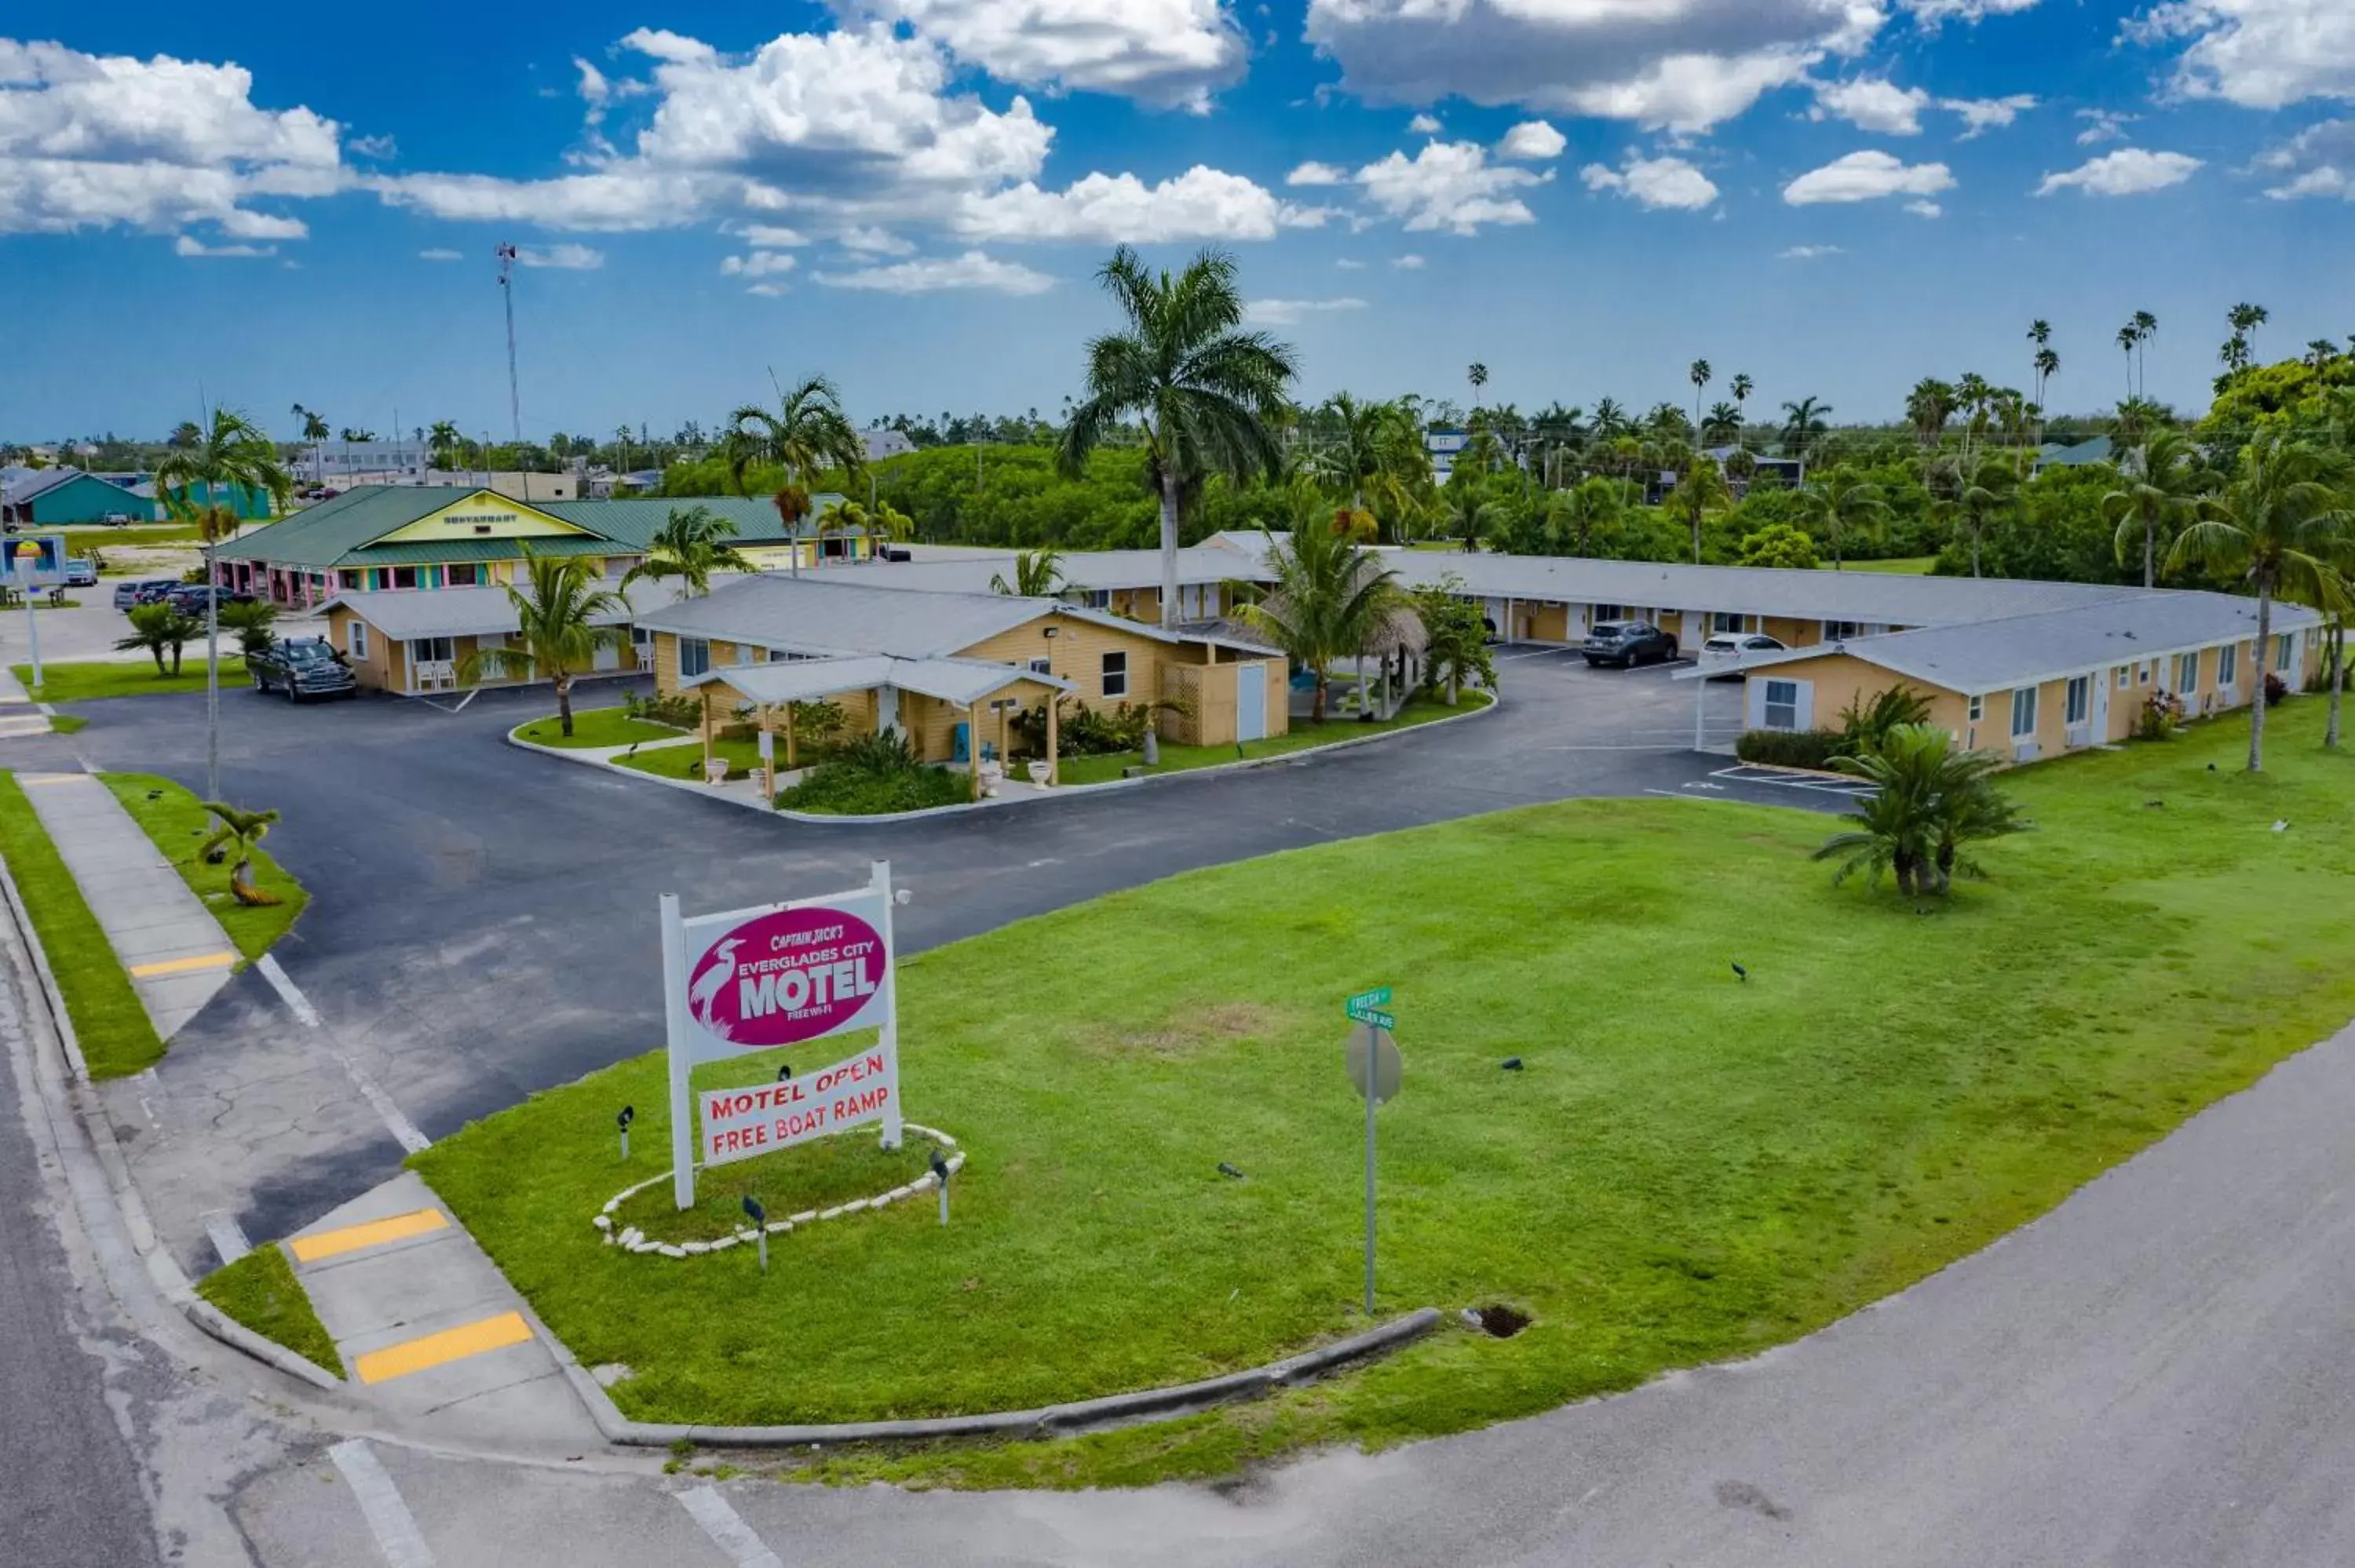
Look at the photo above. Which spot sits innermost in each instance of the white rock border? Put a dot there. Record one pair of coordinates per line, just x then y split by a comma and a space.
632, 1239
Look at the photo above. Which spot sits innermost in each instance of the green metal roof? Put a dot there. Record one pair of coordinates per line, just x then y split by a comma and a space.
341, 531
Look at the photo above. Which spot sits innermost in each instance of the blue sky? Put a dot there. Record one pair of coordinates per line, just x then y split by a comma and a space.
1835, 197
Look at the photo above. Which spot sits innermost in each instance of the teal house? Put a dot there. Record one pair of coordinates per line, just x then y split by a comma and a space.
61, 497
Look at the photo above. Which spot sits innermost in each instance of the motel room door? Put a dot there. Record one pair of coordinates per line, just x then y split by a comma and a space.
1251, 702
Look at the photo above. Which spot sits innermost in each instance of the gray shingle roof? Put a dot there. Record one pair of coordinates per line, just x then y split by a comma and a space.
403, 614
962, 682
1197, 563
837, 612
2017, 650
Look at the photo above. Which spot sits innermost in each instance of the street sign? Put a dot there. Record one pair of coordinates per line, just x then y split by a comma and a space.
1372, 1042
1378, 996
1373, 1016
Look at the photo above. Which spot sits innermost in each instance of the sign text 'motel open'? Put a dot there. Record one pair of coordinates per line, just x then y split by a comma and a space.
749, 980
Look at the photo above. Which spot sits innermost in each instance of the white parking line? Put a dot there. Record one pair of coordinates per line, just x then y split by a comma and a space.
228, 1236
388, 1517
404, 1132
727, 1527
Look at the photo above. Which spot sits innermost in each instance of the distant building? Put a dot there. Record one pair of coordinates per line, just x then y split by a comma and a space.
63, 497
886, 443
2099, 449
385, 462
1441, 447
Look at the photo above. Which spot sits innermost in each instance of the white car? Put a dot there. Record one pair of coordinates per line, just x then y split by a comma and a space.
1727, 649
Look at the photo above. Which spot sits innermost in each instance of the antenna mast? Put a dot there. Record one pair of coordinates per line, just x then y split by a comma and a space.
506, 254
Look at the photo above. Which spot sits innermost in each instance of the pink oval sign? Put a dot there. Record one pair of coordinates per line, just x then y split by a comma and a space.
790, 976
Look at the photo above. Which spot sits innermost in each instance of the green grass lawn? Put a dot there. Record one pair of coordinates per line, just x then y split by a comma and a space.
136, 534
1179, 758
686, 762
117, 1037
1690, 1168
178, 825
68, 723
260, 1290
594, 727
99, 678
1902, 566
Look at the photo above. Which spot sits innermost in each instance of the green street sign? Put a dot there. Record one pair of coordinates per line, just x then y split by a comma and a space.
1378, 996
1374, 1016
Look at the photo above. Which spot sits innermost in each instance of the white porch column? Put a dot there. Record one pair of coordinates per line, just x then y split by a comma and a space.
887, 708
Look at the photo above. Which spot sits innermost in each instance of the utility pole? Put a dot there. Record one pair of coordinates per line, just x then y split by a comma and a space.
506, 254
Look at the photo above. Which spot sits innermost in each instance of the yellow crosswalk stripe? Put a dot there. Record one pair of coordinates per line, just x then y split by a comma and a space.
435, 1350
182, 965
373, 1233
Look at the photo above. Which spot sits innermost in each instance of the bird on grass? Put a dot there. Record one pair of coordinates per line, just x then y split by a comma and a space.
1227, 1169
1739, 972
1510, 1064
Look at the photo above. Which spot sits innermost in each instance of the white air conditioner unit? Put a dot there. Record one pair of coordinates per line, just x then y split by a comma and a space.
2026, 751
2079, 735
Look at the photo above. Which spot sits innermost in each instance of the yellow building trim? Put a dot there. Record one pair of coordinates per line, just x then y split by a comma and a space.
373, 1233
439, 1349
482, 514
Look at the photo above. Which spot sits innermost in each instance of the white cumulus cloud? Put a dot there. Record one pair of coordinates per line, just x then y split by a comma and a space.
439, 253
2129, 171
1408, 264
2320, 161
973, 269
1172, 53
1925, 209
2259, 54
561, 257
1930, 14
1981, 116
1450, 186
1202, 203
1423, 126
1872, 103
1678, 64
1532, 141
1290, 312
2104, 125
187, 246
1867, 175
1664, 181
759, 264
1315, 173
1810, 253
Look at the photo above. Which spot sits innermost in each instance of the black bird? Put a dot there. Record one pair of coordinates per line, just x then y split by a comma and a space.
155, 794
1510, 1064
1227, 1169
1740, 973
784, 1071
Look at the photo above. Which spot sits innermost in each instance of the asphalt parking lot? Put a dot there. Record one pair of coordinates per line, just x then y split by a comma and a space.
483, 923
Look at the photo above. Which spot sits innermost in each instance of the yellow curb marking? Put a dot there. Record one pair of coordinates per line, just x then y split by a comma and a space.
449, 1345
51, 777
182, 965
375, 1232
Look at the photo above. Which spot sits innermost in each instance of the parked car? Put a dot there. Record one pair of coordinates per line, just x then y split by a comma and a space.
127, 594
81, 573
1728, 648
301, 667
116, 519
188, 599
1627, 643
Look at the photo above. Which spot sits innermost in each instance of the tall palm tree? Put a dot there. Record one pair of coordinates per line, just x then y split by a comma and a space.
2246, 319
1803, 426
808, 432
2321, 352
1208, 395
1700, 375
313, 428
2146, 327
442, 439
1840, 501
1611, 419
236, 459
1928, 407
1478, 374
2283, 523
1372, 450
557, 636
1741, 387
2155, 499
1724, 422
1574, 514
2048, 366
690, 545
1987, 489
1037, 573
1700, 491
1330, 598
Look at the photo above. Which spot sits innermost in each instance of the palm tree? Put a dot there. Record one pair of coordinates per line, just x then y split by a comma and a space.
2048, 366
2246, 319
1037, 573
2283, 523
690, 545
245, 830
157, 628
1803, 426
2146, 327
557, 636
2321, 352
1330, 599
1832, 505
808, 432
1724, 423
442, 441
1611, 419
235, 458
1478, 374
1700, 375
1987, 489
314, 431
1700, 491
1371, 447
1928, 802
1741, 387
1574, 514
2154, 500
1928, 407
1208, 395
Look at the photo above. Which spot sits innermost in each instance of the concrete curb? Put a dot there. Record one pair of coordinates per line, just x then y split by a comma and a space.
1059, 792
1051, 1421
163, 1269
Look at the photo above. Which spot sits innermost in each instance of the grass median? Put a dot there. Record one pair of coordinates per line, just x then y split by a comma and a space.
1302, 737
179, 825
1691, 1167
96, 679
116, 1035
260, 1290
594, 727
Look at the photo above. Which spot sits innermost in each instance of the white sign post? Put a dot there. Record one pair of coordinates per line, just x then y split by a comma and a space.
778, 974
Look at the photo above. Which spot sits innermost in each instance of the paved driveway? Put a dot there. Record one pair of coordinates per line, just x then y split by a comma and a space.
483, 918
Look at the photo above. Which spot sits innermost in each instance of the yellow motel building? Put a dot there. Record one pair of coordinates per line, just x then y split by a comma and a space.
949, 668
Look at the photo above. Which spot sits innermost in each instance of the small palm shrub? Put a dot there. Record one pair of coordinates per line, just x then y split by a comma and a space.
872, 775
1791, 748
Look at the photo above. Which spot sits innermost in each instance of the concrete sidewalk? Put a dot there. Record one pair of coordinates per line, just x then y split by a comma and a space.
19, 714
426, 1323
176, 954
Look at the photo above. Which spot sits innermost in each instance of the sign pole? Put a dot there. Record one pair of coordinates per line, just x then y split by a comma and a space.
675, 1027
1369, 1184
879, 878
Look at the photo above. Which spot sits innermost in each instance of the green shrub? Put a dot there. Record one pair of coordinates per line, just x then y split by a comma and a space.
1084, 731
1792, 748
680, 711
872, 775
1865, 722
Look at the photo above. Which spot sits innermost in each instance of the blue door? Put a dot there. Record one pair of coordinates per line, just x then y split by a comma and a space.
1251, 702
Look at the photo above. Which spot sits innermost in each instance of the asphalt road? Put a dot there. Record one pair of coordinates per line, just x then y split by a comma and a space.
483, 923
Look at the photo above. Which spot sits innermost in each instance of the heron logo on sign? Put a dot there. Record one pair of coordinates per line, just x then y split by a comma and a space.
788, 976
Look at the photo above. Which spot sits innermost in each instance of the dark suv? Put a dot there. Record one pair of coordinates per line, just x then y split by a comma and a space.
301, 667
188, 599
143, 591
1627, 643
